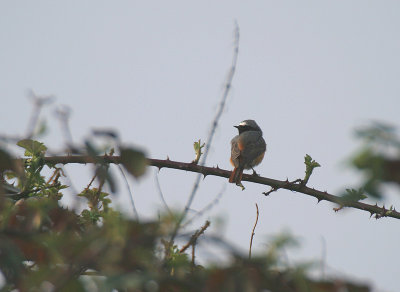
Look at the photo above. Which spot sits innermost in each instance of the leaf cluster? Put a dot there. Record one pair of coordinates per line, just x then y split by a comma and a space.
378, 160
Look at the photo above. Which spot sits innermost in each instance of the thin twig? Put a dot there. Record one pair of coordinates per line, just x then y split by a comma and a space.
135, 212
217, 240
193, 256
69, 182
91, 181
63, 114
55, 176
195, 236
228, 86
270, 191
253, 233
207, 207
161, 193
102, 178
212, 131
38, 103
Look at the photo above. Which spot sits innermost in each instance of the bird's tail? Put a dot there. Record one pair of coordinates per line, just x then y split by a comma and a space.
236, 176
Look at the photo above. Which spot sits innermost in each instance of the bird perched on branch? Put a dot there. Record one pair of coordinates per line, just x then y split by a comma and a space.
247, 149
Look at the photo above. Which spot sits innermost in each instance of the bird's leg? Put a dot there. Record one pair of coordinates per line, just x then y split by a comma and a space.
254, 172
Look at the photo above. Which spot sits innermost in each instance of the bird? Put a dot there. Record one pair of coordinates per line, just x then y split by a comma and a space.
247, 149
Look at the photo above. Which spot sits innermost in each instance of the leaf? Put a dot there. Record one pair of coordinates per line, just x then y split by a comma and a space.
310, 165
197, 149
32, 147
354, 195
134, 161
310, 162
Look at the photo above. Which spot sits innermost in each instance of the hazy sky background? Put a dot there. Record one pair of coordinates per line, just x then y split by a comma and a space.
309, 72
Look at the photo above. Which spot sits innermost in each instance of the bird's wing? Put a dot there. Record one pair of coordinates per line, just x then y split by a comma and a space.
235, 151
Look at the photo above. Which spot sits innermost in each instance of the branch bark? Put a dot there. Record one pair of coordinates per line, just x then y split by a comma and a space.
216, 171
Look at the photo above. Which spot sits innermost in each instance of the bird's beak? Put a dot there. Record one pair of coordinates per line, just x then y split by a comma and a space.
237, 127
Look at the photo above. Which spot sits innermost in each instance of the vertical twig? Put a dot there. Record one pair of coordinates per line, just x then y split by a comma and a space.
193, 256
38, 103
161, 193
195, 236
253, 233
228, 86
135, 212
91, 181
63, 114
207, 207
212, 131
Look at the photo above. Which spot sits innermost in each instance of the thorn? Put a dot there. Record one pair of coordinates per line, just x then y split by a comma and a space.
204, 175
372, 213
167, 157
319, 200
287, 180
217, 167
338, 209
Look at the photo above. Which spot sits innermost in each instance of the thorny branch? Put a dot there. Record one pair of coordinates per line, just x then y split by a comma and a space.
295, 186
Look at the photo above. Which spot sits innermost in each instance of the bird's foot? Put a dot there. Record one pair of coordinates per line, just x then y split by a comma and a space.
254, 172
239, 184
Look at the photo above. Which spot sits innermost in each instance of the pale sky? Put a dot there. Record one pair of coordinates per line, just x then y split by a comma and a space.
309, 73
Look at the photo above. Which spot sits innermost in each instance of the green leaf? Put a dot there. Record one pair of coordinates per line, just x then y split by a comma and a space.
32, 147
197, 149
310, 165
354, 195
134, 161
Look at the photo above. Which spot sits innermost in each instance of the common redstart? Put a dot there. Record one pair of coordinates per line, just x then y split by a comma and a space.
247, 149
